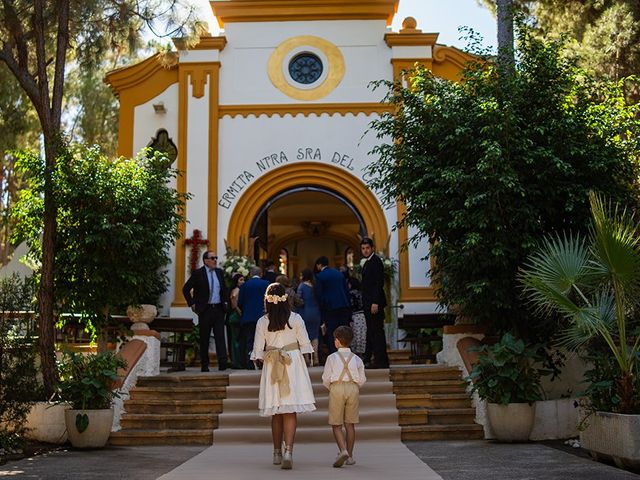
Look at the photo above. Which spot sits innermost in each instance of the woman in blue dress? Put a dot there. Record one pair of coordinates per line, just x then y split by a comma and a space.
310, 310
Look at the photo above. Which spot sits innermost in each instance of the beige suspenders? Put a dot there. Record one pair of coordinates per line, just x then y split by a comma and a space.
345, 368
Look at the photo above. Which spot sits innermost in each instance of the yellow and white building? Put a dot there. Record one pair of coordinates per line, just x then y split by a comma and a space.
268, 121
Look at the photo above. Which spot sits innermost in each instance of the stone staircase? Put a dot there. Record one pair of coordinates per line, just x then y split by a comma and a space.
240, 422
176, 409
433, 403
185, 408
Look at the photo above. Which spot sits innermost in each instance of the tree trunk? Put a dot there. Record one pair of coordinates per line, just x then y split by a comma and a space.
46, 295
506, 58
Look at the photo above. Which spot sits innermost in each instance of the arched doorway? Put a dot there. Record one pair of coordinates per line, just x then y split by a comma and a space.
318, 185
296, 226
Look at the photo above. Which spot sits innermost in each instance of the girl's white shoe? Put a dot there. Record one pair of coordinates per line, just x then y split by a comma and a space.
287, 459
277, 457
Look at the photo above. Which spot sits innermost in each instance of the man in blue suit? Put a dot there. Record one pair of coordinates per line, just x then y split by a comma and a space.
251, 303
333, 296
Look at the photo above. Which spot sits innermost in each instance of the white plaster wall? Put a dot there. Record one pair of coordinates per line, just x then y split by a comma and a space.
146, 125
147, 366
245, 142
419, 271
15, 265
147, 122
244, 75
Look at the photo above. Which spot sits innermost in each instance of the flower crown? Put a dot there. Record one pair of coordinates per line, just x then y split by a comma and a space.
275, 299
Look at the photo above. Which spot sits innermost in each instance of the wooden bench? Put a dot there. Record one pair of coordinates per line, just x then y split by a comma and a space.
413, 323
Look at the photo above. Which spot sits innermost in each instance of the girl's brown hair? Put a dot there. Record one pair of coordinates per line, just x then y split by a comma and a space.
277, 307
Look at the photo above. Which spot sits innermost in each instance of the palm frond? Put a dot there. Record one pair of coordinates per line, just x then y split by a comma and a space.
560, 267
616, 237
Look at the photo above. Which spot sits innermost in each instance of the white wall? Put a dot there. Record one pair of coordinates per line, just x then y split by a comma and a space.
244, 73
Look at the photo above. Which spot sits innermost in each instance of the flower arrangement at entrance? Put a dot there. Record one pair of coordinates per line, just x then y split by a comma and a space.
390, 266
234, 262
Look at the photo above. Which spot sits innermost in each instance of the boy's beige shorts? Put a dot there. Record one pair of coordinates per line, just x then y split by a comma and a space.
344, 402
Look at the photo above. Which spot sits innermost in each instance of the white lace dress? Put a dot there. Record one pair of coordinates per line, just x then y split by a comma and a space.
300, 398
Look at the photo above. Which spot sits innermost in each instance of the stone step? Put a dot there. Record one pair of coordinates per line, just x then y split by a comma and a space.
304, 435
212, 379
252, 377
366, 401
433, 400
317, 418
184, 421
319, 390
449, 416
429, 386
399, 357
442, 432
436, 416
161, 406
425, 372
178, 393
161, 437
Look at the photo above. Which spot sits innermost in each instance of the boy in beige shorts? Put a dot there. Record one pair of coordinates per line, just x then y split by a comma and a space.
343, 375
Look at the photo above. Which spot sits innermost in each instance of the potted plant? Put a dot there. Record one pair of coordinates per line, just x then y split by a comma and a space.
594, 284
506, 376
86, 383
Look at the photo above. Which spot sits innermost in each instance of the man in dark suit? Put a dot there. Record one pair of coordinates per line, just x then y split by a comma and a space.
251, 303
333, 297
373, 301
270, 273
208, 296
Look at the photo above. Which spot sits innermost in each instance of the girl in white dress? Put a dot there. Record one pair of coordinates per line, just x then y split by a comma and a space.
285, 387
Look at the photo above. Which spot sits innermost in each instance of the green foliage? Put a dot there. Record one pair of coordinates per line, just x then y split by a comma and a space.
487, 166
603, 36
116, 220
86, 381
18, 374
507, 373
593, 283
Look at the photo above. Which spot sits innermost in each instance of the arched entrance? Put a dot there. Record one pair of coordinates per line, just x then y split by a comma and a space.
297, 226
338, 208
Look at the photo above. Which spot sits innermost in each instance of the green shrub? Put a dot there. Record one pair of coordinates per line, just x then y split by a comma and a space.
507, 373
86, 381
19, 385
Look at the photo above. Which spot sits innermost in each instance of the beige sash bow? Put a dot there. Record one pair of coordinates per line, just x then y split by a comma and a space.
280, 359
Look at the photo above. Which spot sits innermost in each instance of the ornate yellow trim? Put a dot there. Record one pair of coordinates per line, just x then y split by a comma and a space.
183, 108
227, 11
407, 292
410, 39
214, 142
204, 43
303, 109
448, 62
135, 85
335, 67
311, 174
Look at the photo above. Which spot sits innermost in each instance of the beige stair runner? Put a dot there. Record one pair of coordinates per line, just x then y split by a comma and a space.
240, 422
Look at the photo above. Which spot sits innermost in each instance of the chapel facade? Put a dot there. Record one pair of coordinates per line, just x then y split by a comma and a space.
268, 124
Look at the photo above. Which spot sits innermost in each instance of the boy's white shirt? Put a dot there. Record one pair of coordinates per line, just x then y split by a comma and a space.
333, 368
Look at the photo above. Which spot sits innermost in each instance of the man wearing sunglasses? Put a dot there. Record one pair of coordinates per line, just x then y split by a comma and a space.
207, 295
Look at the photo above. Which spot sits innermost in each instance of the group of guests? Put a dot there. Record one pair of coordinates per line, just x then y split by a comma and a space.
276, 338
325, 298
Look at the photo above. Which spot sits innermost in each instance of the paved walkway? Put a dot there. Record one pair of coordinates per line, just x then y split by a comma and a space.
477, 460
